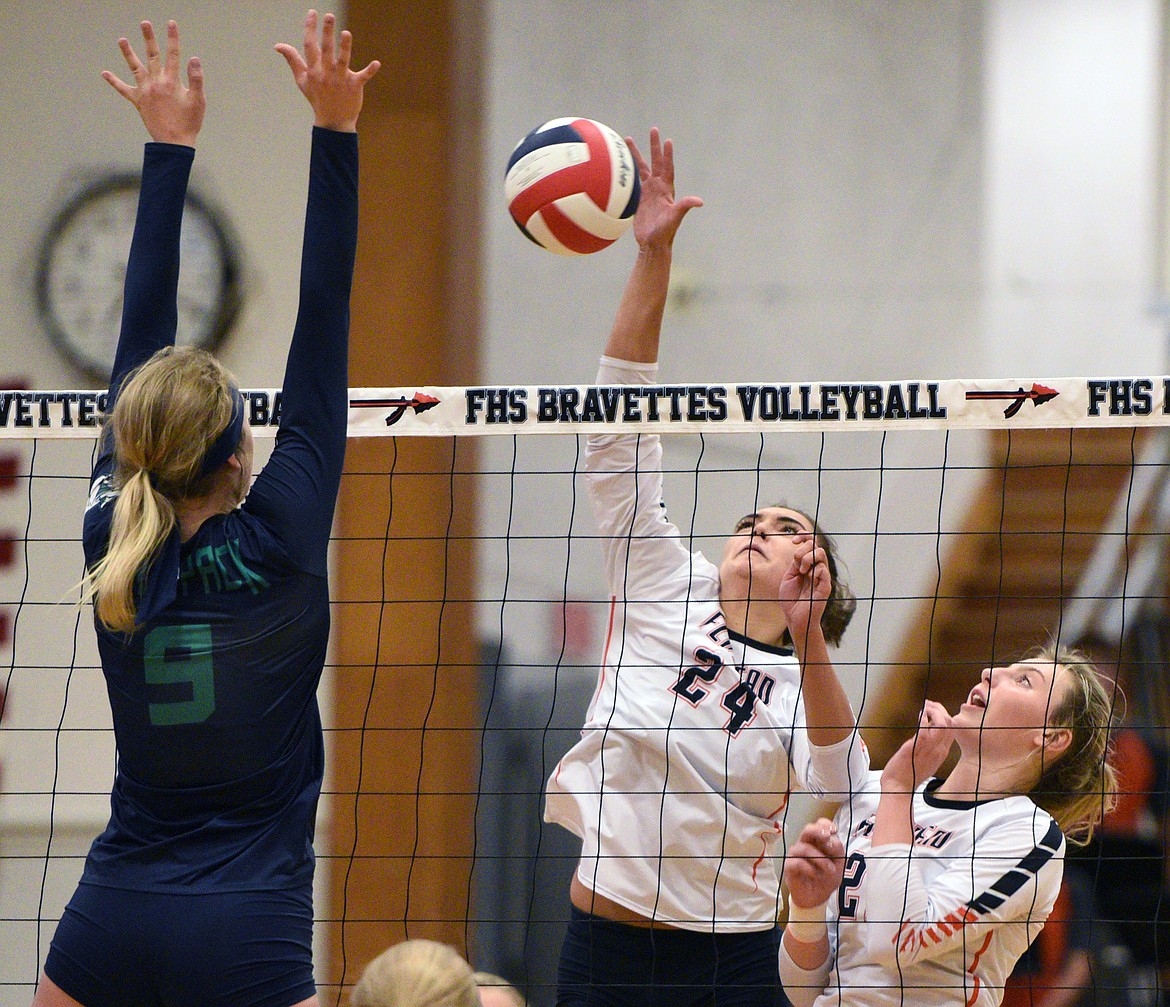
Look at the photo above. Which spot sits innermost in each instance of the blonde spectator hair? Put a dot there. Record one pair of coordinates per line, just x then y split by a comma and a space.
417, 973
1079, 786
487, 980
168, 412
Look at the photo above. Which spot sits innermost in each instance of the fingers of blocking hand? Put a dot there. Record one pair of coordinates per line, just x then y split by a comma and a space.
344, 49
639, 160
151, 42
119, 85
368, 71
295, 61
311, 47
328, 24
195, 76
131, 57
172, 64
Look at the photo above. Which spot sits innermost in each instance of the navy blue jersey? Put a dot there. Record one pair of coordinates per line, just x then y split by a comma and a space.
220, 754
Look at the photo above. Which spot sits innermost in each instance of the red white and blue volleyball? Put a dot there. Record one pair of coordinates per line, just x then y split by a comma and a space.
572, 186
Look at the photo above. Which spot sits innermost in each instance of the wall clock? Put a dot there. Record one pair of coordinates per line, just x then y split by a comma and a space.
82, 266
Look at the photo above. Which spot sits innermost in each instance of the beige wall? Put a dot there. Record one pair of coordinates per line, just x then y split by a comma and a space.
62, 124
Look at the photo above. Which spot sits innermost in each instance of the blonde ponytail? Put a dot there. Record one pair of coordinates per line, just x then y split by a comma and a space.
1079, 786
143, 518
168, 412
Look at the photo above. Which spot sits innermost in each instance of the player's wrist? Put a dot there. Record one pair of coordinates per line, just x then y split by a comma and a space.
806, 632
655, 250
807, 923
897, 787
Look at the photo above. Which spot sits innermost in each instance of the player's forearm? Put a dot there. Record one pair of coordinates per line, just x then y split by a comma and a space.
896, 908
828, 714
807, 955
804, 969
150, 314
894, 821
638, 322
316, 379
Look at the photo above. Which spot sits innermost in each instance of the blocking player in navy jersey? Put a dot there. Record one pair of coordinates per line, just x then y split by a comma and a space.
212, 610
927, 891
702, 721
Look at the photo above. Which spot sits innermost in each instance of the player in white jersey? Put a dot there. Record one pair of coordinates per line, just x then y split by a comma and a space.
941, 885
702, 721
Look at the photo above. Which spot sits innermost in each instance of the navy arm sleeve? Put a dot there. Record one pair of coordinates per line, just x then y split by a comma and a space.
150, 314
296, 493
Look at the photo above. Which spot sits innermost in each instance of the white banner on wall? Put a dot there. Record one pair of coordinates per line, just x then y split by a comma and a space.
427, 411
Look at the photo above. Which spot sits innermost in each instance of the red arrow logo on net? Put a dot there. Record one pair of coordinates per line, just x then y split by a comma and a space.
1037, 395
419, 402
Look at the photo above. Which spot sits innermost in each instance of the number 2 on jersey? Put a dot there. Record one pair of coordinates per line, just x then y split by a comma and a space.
178, 655
848, 894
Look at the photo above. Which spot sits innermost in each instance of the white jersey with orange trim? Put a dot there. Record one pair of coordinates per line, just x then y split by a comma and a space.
942, 921
695, 735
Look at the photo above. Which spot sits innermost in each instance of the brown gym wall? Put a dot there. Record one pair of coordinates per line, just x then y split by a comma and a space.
397, 849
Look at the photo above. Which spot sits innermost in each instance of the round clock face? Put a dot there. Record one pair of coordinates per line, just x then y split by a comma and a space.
82, 269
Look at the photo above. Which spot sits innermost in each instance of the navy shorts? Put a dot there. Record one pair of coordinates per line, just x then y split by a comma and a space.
608, 964
119, 948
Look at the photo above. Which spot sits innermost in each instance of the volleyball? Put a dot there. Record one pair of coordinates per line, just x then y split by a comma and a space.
572, 186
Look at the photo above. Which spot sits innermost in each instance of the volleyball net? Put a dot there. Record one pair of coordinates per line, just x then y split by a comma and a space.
975, 520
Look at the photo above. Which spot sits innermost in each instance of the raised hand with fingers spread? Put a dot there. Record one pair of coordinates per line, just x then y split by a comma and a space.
171, 112
659, 213
919, 757
324, 76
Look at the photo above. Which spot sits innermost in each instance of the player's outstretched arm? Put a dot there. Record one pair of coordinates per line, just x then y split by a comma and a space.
171, 112
296, 492
911, 765
812, 871
324, 76
635, 330
173, 115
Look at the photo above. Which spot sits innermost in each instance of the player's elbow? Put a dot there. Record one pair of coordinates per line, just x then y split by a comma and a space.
890, 952
834, 784
839, 771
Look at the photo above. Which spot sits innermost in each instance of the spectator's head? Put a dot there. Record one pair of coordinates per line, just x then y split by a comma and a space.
417, 973
495, 991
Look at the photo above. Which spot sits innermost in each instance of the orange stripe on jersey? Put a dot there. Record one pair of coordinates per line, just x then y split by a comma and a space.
907, 935
974, 965
605, 650
609, 631
764, 843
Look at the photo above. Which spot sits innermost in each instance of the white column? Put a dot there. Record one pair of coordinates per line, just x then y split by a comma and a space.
1072, 162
